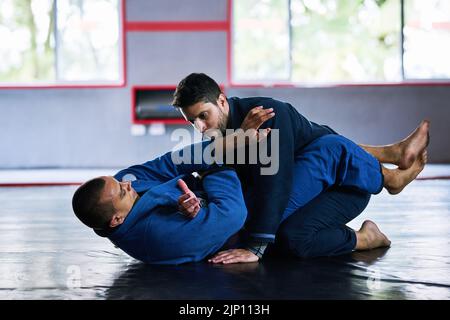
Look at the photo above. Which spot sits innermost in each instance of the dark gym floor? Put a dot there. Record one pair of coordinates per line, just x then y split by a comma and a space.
45, 253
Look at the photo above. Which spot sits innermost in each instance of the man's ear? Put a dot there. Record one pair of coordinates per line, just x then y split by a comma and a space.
221, 99
117, 219
222, 102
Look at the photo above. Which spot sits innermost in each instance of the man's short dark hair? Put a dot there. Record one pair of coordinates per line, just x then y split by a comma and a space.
87, 206
196, 87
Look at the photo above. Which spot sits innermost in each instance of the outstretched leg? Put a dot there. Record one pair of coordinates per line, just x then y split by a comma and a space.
333, 180
405, 152
334, 160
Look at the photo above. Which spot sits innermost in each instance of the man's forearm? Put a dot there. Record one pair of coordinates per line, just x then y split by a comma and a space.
238, 139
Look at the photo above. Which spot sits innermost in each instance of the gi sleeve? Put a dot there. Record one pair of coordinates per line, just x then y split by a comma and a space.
272, 191
170, 165
174, 238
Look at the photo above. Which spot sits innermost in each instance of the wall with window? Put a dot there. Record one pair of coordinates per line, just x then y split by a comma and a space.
51, 42
85, 122
327, 41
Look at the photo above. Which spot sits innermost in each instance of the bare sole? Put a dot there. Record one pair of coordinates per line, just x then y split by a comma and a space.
374, 237
401, 178
414, 144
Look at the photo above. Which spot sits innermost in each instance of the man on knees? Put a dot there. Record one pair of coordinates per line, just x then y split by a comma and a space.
203, 104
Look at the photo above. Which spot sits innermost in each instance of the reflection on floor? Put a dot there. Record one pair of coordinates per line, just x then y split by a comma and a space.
45, 253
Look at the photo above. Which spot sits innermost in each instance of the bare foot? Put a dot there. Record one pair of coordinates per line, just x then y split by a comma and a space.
413, 145
370, 237
396, 180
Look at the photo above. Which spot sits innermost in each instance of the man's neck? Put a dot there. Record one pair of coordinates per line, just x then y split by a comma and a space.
229, 115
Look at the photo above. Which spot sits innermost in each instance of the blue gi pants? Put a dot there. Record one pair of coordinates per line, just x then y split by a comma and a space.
333, 181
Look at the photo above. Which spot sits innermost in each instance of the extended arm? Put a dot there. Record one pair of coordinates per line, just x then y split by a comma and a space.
188, 159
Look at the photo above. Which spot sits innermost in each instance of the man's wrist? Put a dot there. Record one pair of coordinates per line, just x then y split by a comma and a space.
257, 247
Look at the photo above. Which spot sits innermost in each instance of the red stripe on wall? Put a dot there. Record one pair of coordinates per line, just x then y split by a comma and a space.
124, 44
176, 26
434, 178
163, 121
38, 184
229, 42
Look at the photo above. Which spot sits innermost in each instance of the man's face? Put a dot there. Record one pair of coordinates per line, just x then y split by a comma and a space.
206, 115
122, 196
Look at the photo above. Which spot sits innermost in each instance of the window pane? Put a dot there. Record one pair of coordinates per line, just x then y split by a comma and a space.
261, 40
346, 40
88, 40
49, 41
427, 39
26, 33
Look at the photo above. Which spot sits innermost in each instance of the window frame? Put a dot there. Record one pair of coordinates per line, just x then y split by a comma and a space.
291, 84
58, 84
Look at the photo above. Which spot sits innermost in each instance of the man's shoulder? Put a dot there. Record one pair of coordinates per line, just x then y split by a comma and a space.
246, 104
250, 101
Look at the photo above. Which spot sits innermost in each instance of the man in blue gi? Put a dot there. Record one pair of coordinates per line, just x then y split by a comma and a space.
203, 104
139, 208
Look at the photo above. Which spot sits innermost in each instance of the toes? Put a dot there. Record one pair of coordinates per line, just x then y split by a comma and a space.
425, 123
424, 156
386, 241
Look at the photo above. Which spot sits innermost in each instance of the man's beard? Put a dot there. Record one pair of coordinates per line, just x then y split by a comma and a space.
221, 126
223, 119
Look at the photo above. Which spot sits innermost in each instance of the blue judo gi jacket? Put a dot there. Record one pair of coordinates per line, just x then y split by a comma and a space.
156, 232
267, 195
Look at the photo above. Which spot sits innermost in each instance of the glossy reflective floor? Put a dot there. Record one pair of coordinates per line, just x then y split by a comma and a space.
45, 253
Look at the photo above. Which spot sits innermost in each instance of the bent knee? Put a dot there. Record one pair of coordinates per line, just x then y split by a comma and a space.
298, 245
333, 140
